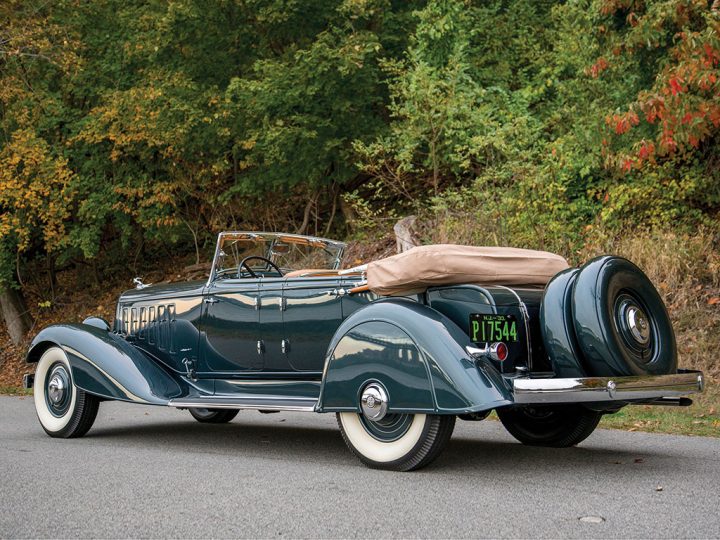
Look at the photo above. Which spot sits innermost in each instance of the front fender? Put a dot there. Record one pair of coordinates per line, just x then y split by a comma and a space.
106, 365
417, 353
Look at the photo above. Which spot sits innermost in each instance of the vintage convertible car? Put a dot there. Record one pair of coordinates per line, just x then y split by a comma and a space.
397, 349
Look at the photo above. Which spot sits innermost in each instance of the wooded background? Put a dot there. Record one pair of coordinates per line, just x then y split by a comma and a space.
134, 129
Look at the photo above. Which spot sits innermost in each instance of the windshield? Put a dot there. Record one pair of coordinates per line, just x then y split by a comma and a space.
287, 251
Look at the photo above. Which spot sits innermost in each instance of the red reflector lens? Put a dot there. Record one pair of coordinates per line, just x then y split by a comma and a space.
501, 351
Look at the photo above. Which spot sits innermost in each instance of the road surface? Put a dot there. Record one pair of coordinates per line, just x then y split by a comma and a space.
156, 472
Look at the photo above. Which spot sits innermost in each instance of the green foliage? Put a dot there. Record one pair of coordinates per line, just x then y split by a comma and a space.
444, 124
522, 122
296, 114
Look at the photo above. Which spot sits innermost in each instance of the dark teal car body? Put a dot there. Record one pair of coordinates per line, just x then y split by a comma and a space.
170, 344
320, 342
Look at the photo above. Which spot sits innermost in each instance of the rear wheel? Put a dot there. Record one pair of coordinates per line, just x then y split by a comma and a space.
397, 442
554, 426
213, 416
64, 410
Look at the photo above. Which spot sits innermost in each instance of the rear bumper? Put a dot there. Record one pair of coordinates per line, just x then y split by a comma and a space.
607, 389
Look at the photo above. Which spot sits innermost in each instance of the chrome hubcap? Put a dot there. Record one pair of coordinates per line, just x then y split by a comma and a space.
56, 389
638, 324
374, 402
635, 327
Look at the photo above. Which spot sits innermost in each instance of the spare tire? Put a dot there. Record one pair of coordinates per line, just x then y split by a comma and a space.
621, 323
556, 325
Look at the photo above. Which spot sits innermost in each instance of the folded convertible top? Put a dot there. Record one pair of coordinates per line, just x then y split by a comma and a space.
449, 264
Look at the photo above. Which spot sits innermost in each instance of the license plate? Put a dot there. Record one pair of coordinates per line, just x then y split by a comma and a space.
492, 328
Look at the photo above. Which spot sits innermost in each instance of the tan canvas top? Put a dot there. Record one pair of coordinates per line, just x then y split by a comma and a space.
448, 264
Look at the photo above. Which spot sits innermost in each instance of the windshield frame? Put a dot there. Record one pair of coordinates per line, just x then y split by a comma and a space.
271, 238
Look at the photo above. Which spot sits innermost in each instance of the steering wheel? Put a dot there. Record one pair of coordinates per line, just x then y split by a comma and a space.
243, 264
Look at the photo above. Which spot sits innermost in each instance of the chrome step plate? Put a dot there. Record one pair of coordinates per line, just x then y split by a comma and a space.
266, 403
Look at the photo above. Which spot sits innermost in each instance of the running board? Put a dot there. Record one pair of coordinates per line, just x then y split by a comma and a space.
263, 403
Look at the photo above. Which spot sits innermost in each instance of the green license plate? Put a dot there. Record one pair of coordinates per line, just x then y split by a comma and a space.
492, 328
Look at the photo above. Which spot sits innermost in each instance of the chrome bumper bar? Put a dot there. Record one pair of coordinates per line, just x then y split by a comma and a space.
607, 389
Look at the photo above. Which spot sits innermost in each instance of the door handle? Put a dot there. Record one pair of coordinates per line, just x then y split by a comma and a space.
211, 300
338, 292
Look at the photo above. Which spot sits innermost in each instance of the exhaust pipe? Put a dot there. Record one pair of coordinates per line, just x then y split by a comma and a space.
668, 401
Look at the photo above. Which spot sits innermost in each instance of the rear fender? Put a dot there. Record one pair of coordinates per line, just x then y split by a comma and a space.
417, 354
106, 365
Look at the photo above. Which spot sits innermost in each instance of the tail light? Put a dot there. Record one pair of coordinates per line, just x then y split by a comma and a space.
494, 351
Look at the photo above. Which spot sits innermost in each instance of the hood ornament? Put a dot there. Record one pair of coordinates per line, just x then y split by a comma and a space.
139, 283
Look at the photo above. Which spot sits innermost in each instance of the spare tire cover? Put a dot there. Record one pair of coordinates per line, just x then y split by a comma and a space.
556, 325
620, 320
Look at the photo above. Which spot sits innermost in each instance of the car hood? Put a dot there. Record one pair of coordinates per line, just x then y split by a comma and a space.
163, 290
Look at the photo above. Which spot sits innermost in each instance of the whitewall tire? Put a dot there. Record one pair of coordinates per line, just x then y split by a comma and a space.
63, 409
399, 442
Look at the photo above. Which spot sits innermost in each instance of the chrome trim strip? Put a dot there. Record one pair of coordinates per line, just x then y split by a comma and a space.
594, 389
354, 270
229, 404
252, 397
271, 382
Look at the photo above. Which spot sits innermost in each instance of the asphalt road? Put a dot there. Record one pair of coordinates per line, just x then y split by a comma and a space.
155, 472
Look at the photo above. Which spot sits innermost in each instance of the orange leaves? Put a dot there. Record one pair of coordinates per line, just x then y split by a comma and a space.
713, 114
682, 107
598, 67
646, 152
621, 123
712, 55
34, 189
647, 149
675, 86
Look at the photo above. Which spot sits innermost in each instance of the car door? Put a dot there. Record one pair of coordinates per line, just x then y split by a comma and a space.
272, 335
312, 312
230, 328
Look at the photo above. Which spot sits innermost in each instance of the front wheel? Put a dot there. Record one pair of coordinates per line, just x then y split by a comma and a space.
64, 410
554, 426
398, 442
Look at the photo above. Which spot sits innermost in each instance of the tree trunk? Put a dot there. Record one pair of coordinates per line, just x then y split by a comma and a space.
14, 310
404, 234
52, 274
306, 215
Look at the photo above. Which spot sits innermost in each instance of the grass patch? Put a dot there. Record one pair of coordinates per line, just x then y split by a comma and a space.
15, 391
702, 418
